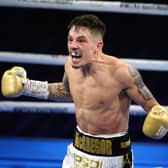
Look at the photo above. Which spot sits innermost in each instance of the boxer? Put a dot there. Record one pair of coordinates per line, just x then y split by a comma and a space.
102, 88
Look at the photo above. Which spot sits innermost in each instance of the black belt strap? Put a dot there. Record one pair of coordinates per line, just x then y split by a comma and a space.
100, 146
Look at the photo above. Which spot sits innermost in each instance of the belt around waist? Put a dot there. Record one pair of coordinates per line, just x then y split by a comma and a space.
100, 146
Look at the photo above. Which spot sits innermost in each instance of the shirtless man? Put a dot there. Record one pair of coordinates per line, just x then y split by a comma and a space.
101, 87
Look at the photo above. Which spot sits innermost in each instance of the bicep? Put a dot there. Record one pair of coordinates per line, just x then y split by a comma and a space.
137, 89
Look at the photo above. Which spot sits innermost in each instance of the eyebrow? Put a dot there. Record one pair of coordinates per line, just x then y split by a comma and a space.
79, 37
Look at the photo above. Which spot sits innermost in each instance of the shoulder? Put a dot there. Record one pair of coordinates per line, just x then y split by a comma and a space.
113, 60
128, 75
67, 63
117, 65
124, 72
67, 60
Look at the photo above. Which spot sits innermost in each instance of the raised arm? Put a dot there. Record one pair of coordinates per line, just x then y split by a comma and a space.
15, 83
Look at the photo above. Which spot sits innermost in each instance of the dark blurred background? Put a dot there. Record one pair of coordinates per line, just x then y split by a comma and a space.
44, 31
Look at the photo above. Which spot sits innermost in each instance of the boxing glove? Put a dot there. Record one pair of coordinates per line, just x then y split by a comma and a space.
156, 123
12, 82
15, 83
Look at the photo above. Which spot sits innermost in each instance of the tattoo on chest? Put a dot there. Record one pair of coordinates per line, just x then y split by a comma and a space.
57, 91
143, 90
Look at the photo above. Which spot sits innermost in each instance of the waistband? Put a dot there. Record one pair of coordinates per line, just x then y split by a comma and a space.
114, 146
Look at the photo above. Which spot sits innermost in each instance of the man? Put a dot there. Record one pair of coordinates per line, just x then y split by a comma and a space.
101, 87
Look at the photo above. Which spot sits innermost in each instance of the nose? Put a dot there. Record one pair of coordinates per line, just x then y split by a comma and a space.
73, 45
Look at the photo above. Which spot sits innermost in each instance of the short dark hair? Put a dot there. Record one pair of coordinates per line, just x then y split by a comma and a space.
89, 21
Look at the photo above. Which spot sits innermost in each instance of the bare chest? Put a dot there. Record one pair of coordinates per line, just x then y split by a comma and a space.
94, 90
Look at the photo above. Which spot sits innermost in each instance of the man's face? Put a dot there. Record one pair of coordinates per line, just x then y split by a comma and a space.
81, 46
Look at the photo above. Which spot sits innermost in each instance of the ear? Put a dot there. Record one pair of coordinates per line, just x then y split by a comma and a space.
100, 45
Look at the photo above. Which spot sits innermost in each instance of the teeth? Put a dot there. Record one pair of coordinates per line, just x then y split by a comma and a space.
75, 54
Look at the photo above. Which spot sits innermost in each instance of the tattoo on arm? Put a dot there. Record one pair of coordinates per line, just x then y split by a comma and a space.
59, 89
143, 90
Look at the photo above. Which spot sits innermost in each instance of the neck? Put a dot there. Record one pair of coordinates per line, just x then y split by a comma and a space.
92, 65
87, 69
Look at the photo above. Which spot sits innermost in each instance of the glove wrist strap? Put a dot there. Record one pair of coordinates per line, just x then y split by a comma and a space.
37, 89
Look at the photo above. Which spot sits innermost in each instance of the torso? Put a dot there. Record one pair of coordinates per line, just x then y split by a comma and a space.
100, 99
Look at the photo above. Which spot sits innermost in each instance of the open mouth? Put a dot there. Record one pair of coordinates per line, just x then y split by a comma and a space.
75, 54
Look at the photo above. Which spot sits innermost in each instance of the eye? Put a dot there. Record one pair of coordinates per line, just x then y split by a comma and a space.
82, 40
69, 39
